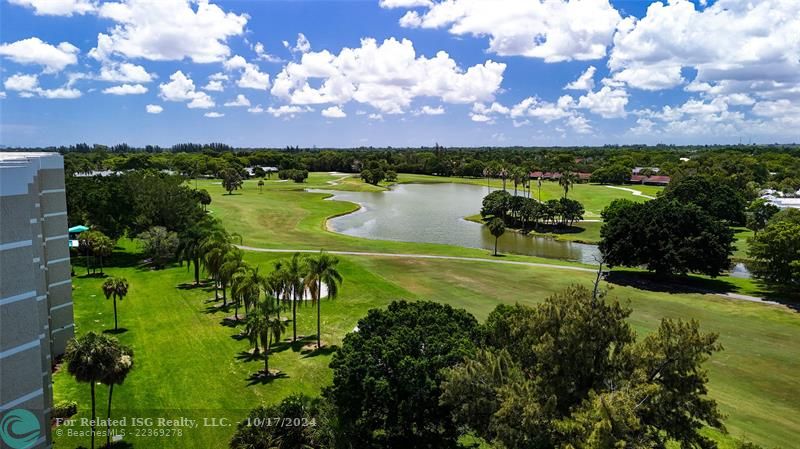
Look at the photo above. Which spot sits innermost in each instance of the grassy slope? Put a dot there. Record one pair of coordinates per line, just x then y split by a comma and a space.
186, 359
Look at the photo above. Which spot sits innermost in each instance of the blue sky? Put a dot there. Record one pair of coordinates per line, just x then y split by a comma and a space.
399, 72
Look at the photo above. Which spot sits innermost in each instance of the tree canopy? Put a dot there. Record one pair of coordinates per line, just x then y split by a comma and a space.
387, 375
665, 236
569, 373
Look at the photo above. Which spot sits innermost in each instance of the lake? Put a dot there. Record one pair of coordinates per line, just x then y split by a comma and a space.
434, 213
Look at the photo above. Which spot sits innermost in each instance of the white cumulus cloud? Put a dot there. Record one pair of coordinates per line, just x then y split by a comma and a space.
181, 88
35, 51
57, 7
153, 109
168, 30
553, 30
585, 81
334, 112
125, 72
213, 115
387, 76
240, 101
126, 89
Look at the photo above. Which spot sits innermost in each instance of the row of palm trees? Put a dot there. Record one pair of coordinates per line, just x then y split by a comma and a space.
520, 176
208, 246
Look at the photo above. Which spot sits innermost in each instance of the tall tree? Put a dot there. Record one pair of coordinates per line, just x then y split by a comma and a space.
387, 375
569, 373
190, 244
567, 180
322, 269
231, 180
497, 228
666, 236
246, 285
159, 245
89, 359
115, 287
758, 214
295, 269
232, 263
776, 249
214, 248
116, 375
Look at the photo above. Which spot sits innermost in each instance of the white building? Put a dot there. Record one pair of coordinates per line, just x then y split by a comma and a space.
35, 283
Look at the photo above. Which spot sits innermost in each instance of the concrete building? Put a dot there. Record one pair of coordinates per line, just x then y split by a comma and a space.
35, 286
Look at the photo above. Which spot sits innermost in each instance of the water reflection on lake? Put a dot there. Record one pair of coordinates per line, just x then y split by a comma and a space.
433, 213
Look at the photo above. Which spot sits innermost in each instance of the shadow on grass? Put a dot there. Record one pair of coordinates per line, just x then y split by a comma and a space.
92, 276
247, 356
259, 378
192, 286
325, 350
696, 284
669, 284
217, 307
296, 346
118, 445
231, 321
121, 330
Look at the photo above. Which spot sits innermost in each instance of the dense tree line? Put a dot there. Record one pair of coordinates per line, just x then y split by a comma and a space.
772, 165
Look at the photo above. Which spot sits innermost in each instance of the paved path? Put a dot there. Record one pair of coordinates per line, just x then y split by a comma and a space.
733, 296
634, 192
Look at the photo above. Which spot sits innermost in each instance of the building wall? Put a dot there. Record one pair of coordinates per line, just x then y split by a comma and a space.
35, 288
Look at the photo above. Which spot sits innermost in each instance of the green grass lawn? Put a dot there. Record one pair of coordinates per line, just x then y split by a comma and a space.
186, 359
188, 362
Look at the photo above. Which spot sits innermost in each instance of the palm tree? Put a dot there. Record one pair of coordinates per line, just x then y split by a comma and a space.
322, 269
503, 173
115, 287
116, 376
263, 327
567, 180
296, 269
497, 227
255, 325
102, 246
232, 262
518, 175
213, 249
488, 172
246, 287
90, 359
275, 283
190, 246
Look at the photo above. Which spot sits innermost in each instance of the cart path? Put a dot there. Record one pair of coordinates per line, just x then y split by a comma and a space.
634, 192
728, 295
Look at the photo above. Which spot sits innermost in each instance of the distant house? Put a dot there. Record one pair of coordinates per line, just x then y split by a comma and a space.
656, 180
637, 179
554, 176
